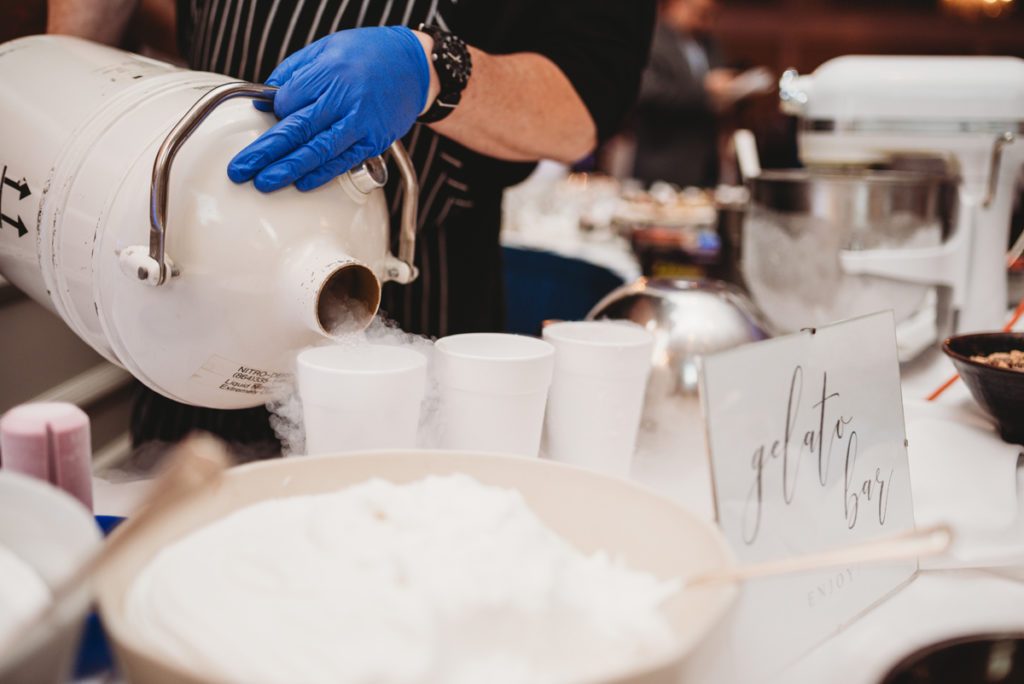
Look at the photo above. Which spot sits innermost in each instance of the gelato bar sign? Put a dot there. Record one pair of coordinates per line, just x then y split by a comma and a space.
808, 452
807, 442
815, 433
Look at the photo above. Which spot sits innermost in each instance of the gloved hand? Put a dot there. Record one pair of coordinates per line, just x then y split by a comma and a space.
341, 100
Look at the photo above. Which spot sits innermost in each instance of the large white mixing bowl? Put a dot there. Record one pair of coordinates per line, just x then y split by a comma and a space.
53, 533
590, 510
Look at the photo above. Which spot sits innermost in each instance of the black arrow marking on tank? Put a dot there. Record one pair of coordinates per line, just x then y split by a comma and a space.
21, 187
4, 218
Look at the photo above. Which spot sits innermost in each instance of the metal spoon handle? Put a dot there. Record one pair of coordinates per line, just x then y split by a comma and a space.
197, 465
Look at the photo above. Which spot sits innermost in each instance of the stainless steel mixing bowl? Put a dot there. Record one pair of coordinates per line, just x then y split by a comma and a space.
687, 318
801, 222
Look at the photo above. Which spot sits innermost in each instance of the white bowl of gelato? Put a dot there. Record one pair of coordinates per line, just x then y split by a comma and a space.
414, 567
45, 534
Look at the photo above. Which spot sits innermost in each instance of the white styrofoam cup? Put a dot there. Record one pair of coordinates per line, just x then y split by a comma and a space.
597, 393
360, 397
492, 391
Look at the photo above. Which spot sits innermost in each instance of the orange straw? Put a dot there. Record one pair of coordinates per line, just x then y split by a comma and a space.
1006, 328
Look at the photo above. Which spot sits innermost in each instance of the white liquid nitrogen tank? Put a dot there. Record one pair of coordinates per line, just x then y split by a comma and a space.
112, 165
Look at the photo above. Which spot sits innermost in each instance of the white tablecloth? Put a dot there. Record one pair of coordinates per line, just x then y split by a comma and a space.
961, 473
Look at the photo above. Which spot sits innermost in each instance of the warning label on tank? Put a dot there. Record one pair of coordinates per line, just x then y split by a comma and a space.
235, 377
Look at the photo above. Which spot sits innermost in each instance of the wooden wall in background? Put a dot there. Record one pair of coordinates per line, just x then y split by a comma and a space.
804, 33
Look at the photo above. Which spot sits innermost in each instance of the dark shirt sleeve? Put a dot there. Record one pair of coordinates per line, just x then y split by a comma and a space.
601, 46
668, 84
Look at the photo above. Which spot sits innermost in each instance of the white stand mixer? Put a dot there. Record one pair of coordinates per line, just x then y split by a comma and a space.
965, 111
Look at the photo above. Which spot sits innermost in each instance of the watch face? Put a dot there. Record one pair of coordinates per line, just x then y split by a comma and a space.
453, 58
456, 62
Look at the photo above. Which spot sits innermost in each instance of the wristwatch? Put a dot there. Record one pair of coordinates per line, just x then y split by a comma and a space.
453, 66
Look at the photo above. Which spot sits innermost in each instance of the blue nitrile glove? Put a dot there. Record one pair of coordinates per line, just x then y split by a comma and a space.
341, 100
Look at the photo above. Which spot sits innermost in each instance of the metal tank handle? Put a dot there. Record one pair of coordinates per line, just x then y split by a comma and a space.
154, 268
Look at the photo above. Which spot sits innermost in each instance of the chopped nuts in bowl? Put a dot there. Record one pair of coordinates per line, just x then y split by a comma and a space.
992, 366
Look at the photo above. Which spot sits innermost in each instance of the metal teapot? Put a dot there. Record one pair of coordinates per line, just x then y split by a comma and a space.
687, 318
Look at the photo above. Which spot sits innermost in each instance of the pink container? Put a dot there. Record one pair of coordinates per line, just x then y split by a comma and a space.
50, 441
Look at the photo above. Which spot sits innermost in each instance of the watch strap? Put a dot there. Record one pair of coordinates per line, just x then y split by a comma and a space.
453, 66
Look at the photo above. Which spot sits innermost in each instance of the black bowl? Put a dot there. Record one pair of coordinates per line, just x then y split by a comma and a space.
1000, 391
973, 659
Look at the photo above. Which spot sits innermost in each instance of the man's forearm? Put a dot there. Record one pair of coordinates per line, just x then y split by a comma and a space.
103, 21
520, 107
351, 94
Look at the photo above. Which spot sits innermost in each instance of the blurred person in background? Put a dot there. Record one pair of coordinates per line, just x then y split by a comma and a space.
684, 93
490, 88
